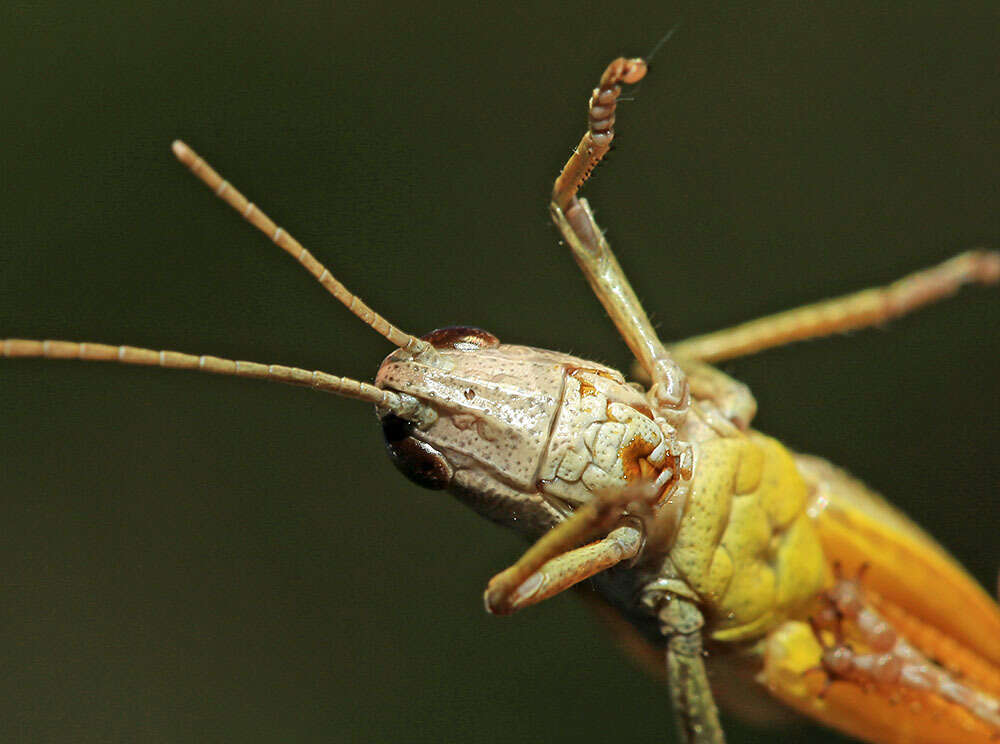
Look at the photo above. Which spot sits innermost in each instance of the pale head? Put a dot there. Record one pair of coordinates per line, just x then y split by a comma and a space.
523, 435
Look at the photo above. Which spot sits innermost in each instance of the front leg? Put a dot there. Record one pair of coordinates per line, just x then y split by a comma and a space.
593, 254
555, 562
558, 574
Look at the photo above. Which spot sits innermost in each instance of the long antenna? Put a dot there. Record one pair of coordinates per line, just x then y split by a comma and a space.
256, 217
404, 406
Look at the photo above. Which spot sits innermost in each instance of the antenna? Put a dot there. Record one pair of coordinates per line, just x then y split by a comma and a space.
403, 405
255, 216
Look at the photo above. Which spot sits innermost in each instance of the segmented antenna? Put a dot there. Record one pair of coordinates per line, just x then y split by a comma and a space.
404, 406
256, 217
597, 140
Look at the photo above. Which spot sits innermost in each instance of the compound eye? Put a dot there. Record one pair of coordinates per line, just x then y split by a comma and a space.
461, 338
417, 460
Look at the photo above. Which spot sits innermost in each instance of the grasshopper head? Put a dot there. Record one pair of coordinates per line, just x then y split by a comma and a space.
494, 406
523, 435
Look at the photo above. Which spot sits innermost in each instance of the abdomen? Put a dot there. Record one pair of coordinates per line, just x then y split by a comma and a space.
903, 564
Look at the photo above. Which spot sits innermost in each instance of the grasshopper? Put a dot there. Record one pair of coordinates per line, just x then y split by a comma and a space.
710, 540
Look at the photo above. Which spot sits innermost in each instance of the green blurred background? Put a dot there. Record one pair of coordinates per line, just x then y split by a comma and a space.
193, 559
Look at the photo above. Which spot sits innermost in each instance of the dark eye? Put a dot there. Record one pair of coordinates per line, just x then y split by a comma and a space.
417, 460
461, 338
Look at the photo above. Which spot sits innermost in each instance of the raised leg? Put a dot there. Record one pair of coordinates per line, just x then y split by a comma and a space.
681, 623
593, 254
850, 312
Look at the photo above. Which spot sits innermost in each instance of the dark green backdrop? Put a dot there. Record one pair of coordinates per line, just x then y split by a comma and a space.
194, 559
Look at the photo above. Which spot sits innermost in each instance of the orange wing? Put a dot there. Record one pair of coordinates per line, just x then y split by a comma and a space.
928, 599
905, 565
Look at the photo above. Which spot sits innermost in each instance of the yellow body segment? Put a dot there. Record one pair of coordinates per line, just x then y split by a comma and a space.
925, 593
763, 535
746, 545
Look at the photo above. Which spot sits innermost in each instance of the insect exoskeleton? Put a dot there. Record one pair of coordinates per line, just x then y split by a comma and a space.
713, 529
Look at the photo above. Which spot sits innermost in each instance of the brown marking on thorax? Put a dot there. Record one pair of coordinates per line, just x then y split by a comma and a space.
585, 387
